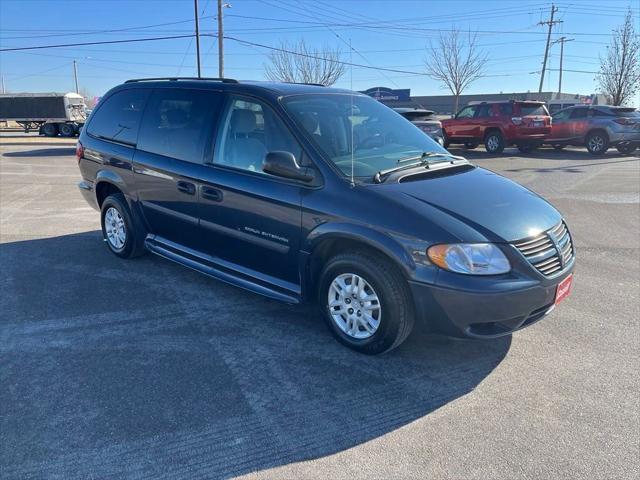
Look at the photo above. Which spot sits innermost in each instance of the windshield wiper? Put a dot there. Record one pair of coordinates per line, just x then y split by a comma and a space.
422, 160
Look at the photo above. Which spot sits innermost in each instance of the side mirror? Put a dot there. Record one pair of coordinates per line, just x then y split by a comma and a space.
283, 164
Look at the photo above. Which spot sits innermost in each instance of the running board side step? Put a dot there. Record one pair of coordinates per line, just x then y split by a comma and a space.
207, 266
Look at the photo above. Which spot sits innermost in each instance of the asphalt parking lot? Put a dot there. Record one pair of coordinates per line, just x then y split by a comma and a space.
145, 369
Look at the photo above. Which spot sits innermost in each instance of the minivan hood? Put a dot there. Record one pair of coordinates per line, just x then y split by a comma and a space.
492, 205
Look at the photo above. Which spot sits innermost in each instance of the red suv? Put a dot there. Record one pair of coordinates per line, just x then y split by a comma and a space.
499, 124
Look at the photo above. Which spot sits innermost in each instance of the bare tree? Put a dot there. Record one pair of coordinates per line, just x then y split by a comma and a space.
455, 61
300, 63
619, 75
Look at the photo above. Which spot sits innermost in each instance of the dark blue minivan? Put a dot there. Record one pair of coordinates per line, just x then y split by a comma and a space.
306, 193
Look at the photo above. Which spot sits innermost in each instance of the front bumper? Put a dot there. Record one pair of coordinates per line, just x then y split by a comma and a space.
478, 313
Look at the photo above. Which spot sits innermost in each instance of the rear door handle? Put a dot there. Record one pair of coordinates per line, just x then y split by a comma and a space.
211, 194
187, 187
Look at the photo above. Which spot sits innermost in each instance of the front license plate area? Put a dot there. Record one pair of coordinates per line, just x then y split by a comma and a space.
564, 289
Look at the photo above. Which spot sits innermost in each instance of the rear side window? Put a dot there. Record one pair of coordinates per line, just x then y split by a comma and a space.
118, 117
484, 111
527, 109
178, 122
580, 113
506, 109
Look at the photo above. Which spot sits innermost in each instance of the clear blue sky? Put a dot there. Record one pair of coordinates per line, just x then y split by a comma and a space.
389, 33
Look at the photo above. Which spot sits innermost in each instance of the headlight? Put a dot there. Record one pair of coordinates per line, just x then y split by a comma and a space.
470, 258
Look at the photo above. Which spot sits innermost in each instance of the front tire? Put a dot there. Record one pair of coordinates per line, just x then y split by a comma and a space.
597, 143
366, 302
494, 142
121, 232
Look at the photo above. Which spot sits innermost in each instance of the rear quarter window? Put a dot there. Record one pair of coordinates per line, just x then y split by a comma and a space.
177, 123
118, 116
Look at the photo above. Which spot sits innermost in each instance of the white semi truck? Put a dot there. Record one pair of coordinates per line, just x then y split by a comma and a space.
51, 114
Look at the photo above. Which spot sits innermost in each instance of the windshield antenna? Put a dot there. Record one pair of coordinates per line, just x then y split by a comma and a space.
351, 119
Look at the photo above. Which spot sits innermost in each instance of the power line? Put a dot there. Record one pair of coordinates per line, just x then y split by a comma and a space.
130, 40
94, 32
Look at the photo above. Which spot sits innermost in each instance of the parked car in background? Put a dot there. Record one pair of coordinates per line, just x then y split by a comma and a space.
498, 125
308, 193
425, 121
597, 128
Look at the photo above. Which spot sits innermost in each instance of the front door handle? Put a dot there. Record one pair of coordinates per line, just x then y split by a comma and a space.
187, 187
211, 194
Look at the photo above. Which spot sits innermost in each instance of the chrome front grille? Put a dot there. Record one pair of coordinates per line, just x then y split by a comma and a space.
550, 251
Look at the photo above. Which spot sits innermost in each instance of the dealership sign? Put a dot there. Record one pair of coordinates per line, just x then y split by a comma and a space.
382, 93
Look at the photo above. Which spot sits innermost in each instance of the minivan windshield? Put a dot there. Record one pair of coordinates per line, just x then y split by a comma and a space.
361, 135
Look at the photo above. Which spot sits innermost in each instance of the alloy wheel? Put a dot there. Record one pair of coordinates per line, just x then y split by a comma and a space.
492, 142
115, 228
596, 143
354, 306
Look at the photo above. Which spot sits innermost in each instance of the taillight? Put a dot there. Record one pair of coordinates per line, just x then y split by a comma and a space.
79, 151
516, 120
624, 121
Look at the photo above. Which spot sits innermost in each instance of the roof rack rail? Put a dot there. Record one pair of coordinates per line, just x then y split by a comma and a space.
174, 79
306, 83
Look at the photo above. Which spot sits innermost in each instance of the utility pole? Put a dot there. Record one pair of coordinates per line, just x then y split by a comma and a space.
75, 75
561, 41
195, 7
3, 90
220, 45
551, 23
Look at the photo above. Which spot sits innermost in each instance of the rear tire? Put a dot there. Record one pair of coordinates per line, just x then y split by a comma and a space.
50, 129
597, 143
122, 233
66, 130
494, 142
626, 149
354, 277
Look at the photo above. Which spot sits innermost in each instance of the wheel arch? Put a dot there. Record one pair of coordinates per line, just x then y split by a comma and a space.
598, 130
108, 182
491, 129
330, 239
